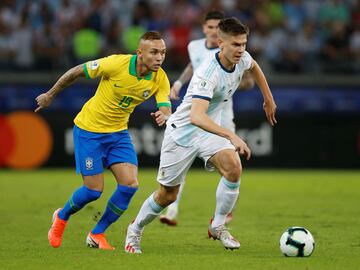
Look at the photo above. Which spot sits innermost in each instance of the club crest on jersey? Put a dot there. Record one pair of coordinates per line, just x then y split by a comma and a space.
146, 93
89, 163
94, 64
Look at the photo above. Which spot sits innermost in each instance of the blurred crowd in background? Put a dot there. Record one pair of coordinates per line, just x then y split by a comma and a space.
286, 36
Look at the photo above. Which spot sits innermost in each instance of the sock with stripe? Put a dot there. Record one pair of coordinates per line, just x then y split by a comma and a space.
148, 212
226, 195
116, 206
78, 200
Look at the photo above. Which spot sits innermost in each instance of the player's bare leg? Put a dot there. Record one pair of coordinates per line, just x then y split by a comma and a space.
150, 210
228, 164
170, 216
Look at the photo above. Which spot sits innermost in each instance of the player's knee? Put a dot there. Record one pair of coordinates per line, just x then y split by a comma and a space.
166, 196
171, 197
233, 171
132, 183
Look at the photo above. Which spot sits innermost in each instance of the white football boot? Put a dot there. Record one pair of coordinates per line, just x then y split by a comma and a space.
222, 233
133, 239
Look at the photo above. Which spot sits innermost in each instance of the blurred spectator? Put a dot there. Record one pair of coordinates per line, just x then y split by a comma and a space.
295, 14
333, 10
87, 42
23, 42
308, 43
6, 46
47, 47
336, 52
140, 20
355, 37
113, 39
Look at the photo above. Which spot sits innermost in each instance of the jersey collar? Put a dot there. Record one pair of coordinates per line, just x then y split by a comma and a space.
210, 48
224, 68
132, 69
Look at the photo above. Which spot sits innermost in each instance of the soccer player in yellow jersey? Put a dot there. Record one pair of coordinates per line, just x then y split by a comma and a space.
101, 138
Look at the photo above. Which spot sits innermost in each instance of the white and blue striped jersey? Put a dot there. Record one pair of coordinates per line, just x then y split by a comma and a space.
198, 52
212, 82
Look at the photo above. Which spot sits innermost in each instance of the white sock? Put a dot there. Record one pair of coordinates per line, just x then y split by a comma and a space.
148, 212
173, 209
226, 195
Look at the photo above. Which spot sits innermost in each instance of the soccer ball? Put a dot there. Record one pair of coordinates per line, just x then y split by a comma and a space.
297, 242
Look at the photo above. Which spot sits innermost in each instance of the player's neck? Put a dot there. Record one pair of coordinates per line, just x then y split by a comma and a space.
211, 45
225, 62
141, 69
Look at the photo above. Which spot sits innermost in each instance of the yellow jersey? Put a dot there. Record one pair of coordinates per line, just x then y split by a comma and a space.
118, 93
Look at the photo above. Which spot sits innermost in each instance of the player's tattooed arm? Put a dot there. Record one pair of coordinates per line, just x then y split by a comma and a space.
68, 78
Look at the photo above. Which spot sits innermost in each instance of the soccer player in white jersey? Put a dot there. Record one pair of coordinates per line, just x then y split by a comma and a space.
194, 130
199, 50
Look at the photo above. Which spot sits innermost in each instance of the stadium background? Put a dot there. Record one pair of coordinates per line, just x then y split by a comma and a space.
309, 50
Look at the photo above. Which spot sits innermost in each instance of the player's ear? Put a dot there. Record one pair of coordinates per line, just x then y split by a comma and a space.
138, 52
220, 43
204, 28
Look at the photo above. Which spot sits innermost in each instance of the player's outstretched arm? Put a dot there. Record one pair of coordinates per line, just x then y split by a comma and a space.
69, 77
247, 82
269, 103
199, 117
184, 78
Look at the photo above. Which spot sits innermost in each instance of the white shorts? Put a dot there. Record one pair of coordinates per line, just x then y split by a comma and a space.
176, 160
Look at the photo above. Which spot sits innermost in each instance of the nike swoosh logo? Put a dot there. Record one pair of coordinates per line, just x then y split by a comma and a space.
117, 85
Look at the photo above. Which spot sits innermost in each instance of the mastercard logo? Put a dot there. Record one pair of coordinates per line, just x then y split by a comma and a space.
26, 140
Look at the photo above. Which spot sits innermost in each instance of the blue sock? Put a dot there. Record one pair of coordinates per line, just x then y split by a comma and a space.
117, 205
78, 200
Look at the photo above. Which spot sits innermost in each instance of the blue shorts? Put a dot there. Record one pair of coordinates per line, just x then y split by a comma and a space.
96, 151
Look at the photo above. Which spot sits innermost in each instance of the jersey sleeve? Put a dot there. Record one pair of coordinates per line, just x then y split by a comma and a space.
204, 81
106, 66
162, 95
246, 60
190, 48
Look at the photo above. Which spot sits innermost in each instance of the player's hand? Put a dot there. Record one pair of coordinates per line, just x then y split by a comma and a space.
241, 147
270, 110
175, 90
44, 100
159, 117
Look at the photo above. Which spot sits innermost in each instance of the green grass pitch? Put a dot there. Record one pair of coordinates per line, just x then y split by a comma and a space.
325, 202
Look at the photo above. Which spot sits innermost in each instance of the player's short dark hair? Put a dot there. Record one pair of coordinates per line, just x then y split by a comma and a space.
233, 26
214, 15
151, 35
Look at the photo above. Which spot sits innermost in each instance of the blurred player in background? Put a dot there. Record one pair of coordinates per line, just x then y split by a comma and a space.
101, 138
195, 130
199, 50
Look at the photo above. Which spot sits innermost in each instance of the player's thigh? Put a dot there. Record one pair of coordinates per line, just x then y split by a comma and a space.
175, 161
125, 174
88, 152
211, 146
227, 162
120, 149
121, 158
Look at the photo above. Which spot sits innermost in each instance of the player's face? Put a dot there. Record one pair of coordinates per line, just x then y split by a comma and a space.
152, 53
233, 47
210, 28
